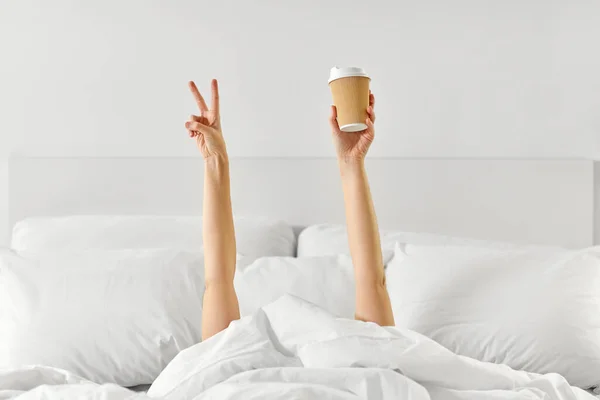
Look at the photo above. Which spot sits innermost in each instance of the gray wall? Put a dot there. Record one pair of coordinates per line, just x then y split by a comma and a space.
466, 78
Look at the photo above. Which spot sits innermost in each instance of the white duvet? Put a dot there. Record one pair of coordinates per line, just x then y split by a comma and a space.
292, 349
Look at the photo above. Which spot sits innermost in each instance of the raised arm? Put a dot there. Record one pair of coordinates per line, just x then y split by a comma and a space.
372, 299
220, 305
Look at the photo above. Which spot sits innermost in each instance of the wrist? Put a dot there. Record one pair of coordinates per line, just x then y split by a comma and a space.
217, 164
216, 160
351, 162
351, 166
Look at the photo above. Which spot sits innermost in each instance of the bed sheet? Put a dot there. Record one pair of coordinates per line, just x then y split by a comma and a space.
293, 349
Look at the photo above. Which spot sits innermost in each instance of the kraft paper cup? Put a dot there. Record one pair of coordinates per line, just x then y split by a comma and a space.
350, 90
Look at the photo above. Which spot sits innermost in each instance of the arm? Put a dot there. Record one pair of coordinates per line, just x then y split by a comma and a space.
372, 299
220, 305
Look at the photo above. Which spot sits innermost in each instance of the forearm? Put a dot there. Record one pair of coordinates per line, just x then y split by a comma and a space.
372, 303
363, 233
218, 229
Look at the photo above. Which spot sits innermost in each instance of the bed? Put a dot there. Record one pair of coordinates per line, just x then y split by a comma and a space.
541, 207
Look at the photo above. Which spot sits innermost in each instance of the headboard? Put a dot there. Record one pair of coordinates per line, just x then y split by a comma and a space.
522, 201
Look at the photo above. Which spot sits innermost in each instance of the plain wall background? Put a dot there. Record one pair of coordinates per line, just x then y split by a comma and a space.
463, 78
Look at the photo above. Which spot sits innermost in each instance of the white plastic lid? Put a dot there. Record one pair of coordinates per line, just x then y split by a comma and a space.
344, 72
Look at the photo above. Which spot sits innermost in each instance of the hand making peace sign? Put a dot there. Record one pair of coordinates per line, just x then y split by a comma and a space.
206, 127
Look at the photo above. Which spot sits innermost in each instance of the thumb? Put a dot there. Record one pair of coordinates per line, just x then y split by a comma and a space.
200, 127
333, 120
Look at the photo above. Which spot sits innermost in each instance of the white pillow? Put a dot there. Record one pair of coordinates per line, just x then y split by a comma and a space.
109, 316
255, 237
328, 239
532, 309
325, 281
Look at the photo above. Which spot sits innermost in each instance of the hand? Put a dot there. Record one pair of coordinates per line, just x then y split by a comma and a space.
206, 127
353, 145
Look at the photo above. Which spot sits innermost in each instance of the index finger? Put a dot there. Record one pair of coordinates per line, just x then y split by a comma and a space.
199, 99
371, 99
214, 86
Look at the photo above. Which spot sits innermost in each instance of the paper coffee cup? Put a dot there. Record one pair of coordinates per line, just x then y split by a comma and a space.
350, 90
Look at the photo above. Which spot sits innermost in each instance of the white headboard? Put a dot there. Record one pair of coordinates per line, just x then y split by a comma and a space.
523, 201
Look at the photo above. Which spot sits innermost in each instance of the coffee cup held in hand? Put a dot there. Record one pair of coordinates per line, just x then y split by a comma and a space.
350, 90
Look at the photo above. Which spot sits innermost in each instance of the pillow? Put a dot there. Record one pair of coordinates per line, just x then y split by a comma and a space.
325, 281
532, 309
109, 316
327, 239
256, 237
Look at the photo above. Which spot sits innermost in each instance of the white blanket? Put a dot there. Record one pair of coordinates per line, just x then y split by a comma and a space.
293, 349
